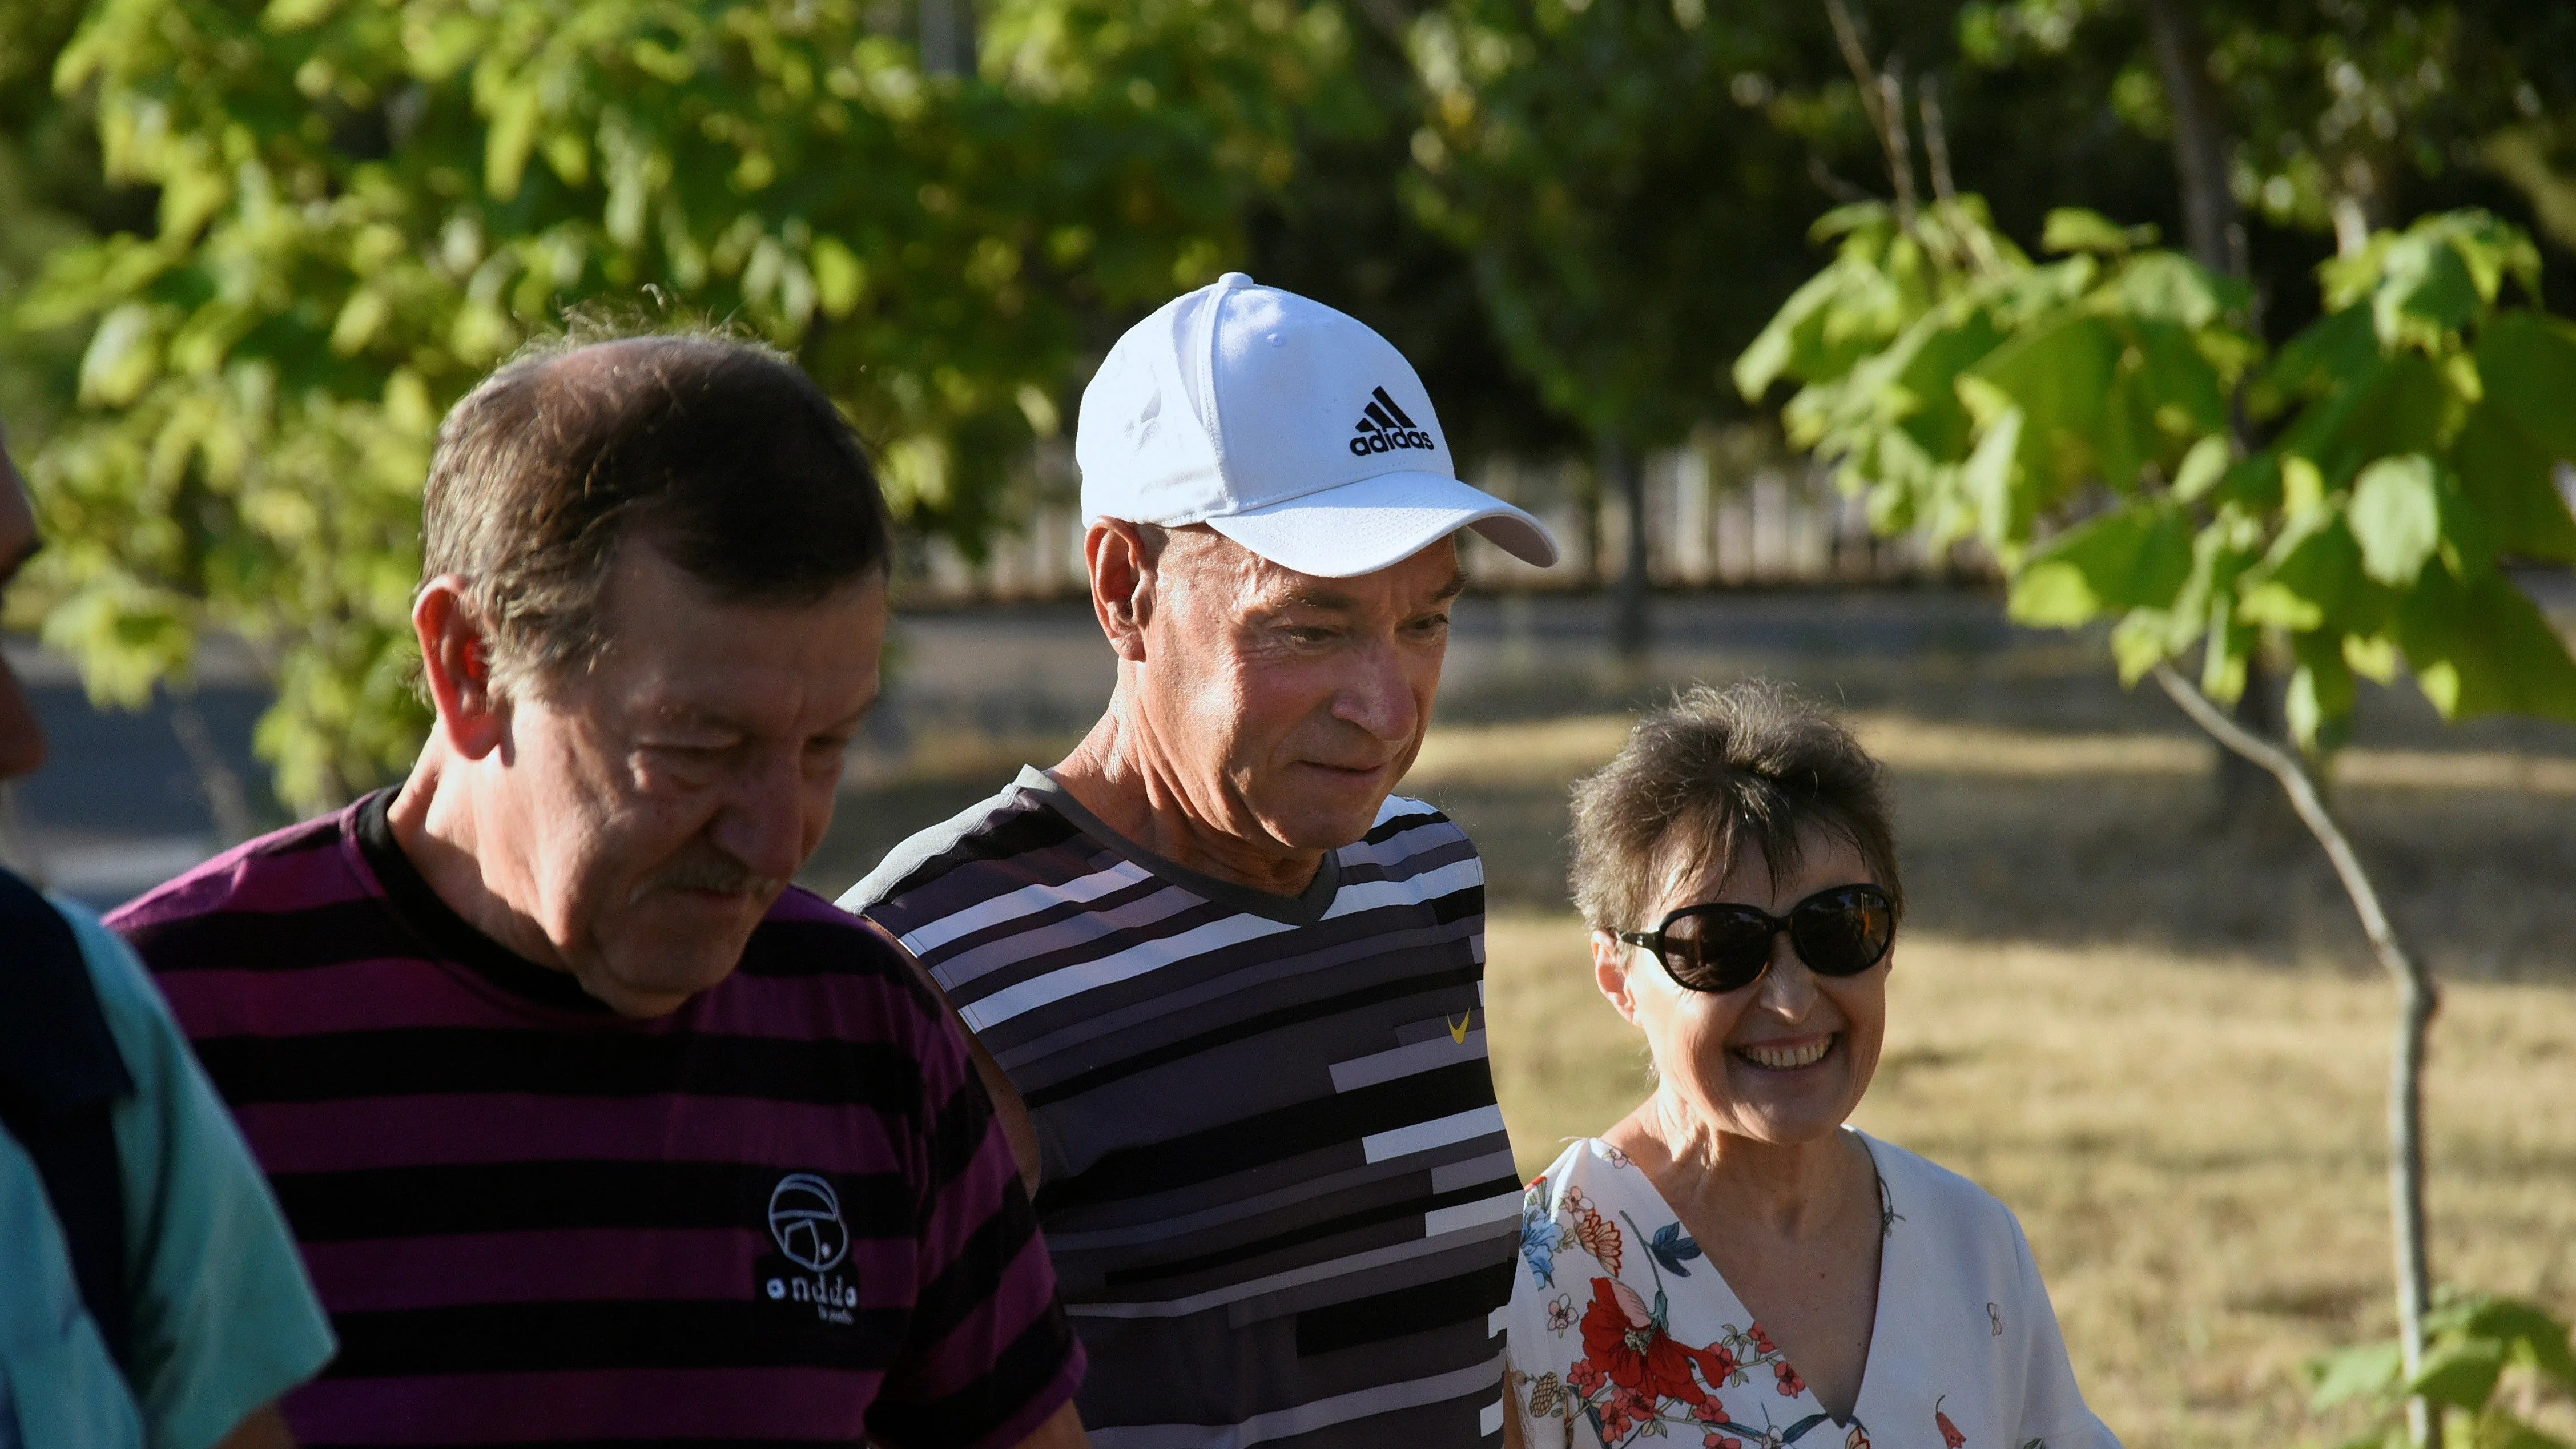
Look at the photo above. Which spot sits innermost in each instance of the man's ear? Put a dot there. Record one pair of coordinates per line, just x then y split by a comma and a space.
1610, 973
456, 659
1122, 585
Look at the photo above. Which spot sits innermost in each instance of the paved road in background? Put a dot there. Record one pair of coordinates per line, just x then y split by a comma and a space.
120, 806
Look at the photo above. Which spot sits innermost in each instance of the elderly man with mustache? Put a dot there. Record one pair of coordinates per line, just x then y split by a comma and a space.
1227, 986
591, 1128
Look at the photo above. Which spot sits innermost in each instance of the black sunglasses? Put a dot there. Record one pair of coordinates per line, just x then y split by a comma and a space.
1840, 931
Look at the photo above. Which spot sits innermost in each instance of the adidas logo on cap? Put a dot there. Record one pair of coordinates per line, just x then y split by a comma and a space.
1383, 428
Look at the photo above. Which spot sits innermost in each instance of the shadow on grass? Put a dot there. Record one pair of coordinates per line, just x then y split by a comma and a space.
2477, 877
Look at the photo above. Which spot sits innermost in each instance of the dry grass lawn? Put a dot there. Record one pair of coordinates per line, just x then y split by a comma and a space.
2196, 1149
2160, 1042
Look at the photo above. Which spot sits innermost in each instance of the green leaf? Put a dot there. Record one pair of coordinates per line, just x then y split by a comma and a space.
2142, 640
2136, 557
2373, 657
2311, 579
2321, 692
2368, 1370
512, 140
2425, 290
2522, 429
1832, 321
2497, 1429
286, 15
2461, 1374
2076, 229
1856, 216
2224, 653
2059, 376
2173, 386
2327, 354
1988, 476
2482, 647
360, 318
2539, 1338
840, 278
2170, 287
1939, 422
124, 356
2401, 406
2202, 468
2396, 516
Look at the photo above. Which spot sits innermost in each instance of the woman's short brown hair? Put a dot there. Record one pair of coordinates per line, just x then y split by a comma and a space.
1754, 763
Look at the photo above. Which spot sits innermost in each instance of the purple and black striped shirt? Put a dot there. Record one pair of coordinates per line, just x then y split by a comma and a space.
781, 1214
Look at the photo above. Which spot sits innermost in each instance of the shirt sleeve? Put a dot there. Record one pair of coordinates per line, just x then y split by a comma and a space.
2053, 1412
990, 1355
224, 1319
1539, 1355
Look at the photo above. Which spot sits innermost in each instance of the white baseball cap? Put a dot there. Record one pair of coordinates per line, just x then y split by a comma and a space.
1288, 427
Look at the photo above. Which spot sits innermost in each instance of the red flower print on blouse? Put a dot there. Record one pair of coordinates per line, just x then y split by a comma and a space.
1622, 1338
1950, 1435
1791, 1386
1722, 1441
1761, 1340
1625, 1409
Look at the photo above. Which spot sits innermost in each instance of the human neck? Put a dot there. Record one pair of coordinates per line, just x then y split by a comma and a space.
454, 834
1791, 1190
1122, 773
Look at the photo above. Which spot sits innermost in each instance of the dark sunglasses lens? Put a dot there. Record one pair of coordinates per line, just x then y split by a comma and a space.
1842, 934
1717, 950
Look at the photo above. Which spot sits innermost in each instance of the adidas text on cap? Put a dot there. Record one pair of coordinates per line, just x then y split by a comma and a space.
1288, 427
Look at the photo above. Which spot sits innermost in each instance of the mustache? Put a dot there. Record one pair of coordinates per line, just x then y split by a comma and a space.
708, 871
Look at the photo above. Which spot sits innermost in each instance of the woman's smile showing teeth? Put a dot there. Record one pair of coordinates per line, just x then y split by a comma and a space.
1786, 1056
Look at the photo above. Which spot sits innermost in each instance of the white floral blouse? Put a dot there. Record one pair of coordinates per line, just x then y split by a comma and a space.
1620, 1331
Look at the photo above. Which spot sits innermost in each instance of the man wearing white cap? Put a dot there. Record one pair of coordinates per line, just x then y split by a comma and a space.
1228, 986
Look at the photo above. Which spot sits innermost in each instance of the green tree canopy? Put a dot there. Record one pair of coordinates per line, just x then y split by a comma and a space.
255, 252
363, 205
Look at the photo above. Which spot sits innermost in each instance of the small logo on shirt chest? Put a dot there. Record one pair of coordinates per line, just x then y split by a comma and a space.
813, 1242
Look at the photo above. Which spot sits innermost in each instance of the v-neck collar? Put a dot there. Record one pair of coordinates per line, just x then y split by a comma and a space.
1888, 1219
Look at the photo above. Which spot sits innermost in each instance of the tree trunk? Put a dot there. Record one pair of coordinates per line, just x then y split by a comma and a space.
2214, 227
947, 41
2211, 222
2416, 998
1631, 630
2247, 800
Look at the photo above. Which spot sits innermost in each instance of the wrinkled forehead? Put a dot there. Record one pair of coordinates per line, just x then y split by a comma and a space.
673, 646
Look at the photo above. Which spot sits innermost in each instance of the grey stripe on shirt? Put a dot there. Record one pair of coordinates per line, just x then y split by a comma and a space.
1277, 1189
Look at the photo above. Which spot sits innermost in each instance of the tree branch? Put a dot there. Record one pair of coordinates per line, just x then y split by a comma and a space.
1882, 99
2417, 999
1936, 140
1843, 192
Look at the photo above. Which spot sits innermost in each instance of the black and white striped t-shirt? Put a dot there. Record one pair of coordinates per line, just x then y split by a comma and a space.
1276, 1184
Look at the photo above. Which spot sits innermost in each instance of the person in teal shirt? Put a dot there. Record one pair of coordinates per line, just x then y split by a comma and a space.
220, 1320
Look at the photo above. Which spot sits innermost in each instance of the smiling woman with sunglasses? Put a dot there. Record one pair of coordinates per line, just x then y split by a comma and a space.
1731, 1266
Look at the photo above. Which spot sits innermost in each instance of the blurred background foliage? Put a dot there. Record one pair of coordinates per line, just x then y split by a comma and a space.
249, 254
